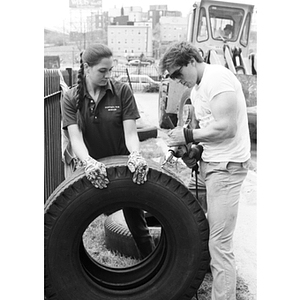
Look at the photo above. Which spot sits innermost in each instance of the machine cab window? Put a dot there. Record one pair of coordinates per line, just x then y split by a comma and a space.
202, 34
225, 22
246, 31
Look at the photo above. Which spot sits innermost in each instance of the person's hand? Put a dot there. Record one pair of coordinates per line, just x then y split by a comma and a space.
180, 150
138, 166
196, 152
96, 173
193, 155
176, 137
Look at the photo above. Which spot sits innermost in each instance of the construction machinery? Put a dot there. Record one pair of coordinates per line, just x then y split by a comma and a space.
223, 34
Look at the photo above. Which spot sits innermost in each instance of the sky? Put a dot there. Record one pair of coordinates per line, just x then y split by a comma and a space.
57, 11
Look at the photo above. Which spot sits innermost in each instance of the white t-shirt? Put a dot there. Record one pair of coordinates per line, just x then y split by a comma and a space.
217, 79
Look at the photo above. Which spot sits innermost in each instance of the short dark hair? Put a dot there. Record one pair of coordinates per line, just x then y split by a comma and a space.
179, 54
229, 27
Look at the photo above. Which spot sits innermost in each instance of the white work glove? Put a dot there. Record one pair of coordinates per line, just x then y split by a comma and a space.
95, 172
138, 166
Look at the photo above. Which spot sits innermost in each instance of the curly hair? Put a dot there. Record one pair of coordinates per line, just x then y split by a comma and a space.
179, 54
91, 56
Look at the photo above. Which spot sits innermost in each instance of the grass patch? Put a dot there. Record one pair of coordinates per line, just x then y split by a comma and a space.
94, 243
150, 150
242, 291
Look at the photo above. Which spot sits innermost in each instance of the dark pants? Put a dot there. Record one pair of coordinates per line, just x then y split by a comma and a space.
136, 222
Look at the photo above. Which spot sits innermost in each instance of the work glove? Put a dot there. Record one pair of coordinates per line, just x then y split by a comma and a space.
192, 156
138, 166
95, 172
180, 151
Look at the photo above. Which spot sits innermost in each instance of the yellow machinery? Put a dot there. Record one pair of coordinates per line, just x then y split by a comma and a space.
222, 33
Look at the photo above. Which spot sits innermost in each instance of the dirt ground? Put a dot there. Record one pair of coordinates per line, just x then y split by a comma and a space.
245, 233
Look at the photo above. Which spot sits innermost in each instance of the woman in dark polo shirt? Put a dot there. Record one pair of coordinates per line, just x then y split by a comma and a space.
99, 115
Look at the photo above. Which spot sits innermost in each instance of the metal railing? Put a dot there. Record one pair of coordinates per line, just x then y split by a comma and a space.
151, 71
53, 166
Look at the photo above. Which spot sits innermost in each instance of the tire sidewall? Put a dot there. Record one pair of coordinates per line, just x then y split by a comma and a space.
147, 132
182, 230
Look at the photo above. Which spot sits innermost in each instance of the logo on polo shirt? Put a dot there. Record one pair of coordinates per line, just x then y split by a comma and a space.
112, 107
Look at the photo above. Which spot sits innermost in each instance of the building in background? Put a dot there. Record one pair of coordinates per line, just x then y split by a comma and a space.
172, 29
155, 12
130, 39
127, 15
126, 30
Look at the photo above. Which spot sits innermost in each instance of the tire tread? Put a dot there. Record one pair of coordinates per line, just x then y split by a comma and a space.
65, 193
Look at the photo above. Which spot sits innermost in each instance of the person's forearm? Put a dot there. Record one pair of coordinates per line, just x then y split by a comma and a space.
215, 132
132, 143
79, 148
131, 137
77, 142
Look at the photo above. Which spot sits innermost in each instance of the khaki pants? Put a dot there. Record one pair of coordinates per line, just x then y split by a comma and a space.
223, 181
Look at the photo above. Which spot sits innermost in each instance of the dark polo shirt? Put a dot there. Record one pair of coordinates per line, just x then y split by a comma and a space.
104, 133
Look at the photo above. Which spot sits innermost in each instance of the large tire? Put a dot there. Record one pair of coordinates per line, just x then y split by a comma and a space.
147, 132
173, 271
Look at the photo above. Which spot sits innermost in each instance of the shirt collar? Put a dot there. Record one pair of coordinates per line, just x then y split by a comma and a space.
107, 87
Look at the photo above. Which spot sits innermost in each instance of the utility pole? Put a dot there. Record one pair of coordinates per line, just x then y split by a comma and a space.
84, 38
73, 57
64, 42
147, 54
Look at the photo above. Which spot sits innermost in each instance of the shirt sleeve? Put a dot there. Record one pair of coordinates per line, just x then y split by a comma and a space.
221, 82
129, 109
68, 108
